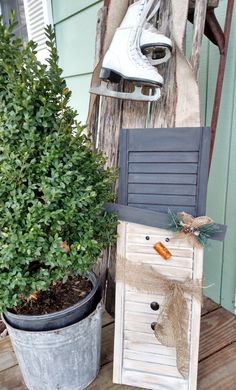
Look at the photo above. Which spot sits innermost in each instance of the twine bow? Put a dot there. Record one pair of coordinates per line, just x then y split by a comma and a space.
191, 228
172, 325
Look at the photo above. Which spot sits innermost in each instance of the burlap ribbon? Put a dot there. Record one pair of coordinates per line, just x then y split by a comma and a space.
191, 227
173, 321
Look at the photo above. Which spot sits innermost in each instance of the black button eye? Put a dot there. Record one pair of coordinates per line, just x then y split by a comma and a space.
155, 306
167, 239
153, 324
147, 238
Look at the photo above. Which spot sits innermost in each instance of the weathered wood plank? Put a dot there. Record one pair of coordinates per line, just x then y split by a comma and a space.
93, 123
2, 327
7, 355
210, 4
162, 113
218, 371
107, 344
11, 379
107, 319
129, 114
104, 381
218, 329
208, 306
187, 112
198, 32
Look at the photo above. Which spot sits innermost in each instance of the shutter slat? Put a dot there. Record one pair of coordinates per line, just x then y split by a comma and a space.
36, 19
177, 157
163, 208
162, 178
169, 200
162, 189
164, 168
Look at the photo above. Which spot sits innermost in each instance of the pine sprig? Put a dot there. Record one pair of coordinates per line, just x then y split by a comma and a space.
175, 224
204, 231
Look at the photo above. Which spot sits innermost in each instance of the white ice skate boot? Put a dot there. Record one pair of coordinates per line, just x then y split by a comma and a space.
124, 60
157, 47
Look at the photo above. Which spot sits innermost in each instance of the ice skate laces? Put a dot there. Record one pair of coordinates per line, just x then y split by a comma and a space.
154, 11
135, 52
149, 27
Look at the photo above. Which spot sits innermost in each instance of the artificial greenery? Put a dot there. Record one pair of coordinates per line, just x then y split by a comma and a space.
201, 233
52, 185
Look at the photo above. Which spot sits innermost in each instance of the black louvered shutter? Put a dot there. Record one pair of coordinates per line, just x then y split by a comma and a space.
163, 169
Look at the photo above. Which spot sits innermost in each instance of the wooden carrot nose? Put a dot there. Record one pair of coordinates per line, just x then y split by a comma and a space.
162, 250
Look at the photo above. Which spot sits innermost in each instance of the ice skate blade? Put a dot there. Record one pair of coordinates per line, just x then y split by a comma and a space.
136, 95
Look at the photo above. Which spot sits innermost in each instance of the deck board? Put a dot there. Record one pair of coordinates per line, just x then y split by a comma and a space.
218, 372
218, 330
208, 306
217, 354
11, 379
107, 344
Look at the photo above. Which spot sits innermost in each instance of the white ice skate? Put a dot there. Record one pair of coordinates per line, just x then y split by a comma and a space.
125, 61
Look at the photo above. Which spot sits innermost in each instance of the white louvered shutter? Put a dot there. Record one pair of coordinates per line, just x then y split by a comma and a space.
139, 358
38, 15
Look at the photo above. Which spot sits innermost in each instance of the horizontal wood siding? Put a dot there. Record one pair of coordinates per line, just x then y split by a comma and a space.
220, 258
75, 26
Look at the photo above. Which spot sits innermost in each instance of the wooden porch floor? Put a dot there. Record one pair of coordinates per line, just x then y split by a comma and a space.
217, 359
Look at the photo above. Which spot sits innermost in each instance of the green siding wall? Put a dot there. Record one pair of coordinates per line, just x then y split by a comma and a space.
220, 259
75, 24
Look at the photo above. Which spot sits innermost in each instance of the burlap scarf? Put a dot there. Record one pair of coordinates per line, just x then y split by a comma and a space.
173, 321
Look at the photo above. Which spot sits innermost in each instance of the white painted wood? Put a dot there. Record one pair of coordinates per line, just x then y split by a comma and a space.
143, 346
149, 381
38, 14
152, 368
148, 357
144, 308
179, 262
140, 239
120, 292
154, 258
181, 252
195, 321
139, 359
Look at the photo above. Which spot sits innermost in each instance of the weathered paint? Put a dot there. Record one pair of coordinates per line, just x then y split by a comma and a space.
139, 360
67, 358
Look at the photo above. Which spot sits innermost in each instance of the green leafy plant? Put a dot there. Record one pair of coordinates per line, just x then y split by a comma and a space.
52, 184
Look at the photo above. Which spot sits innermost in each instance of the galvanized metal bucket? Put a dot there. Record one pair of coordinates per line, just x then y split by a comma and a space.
62, 359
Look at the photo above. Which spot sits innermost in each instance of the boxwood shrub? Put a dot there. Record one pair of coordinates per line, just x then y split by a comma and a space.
52, 184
